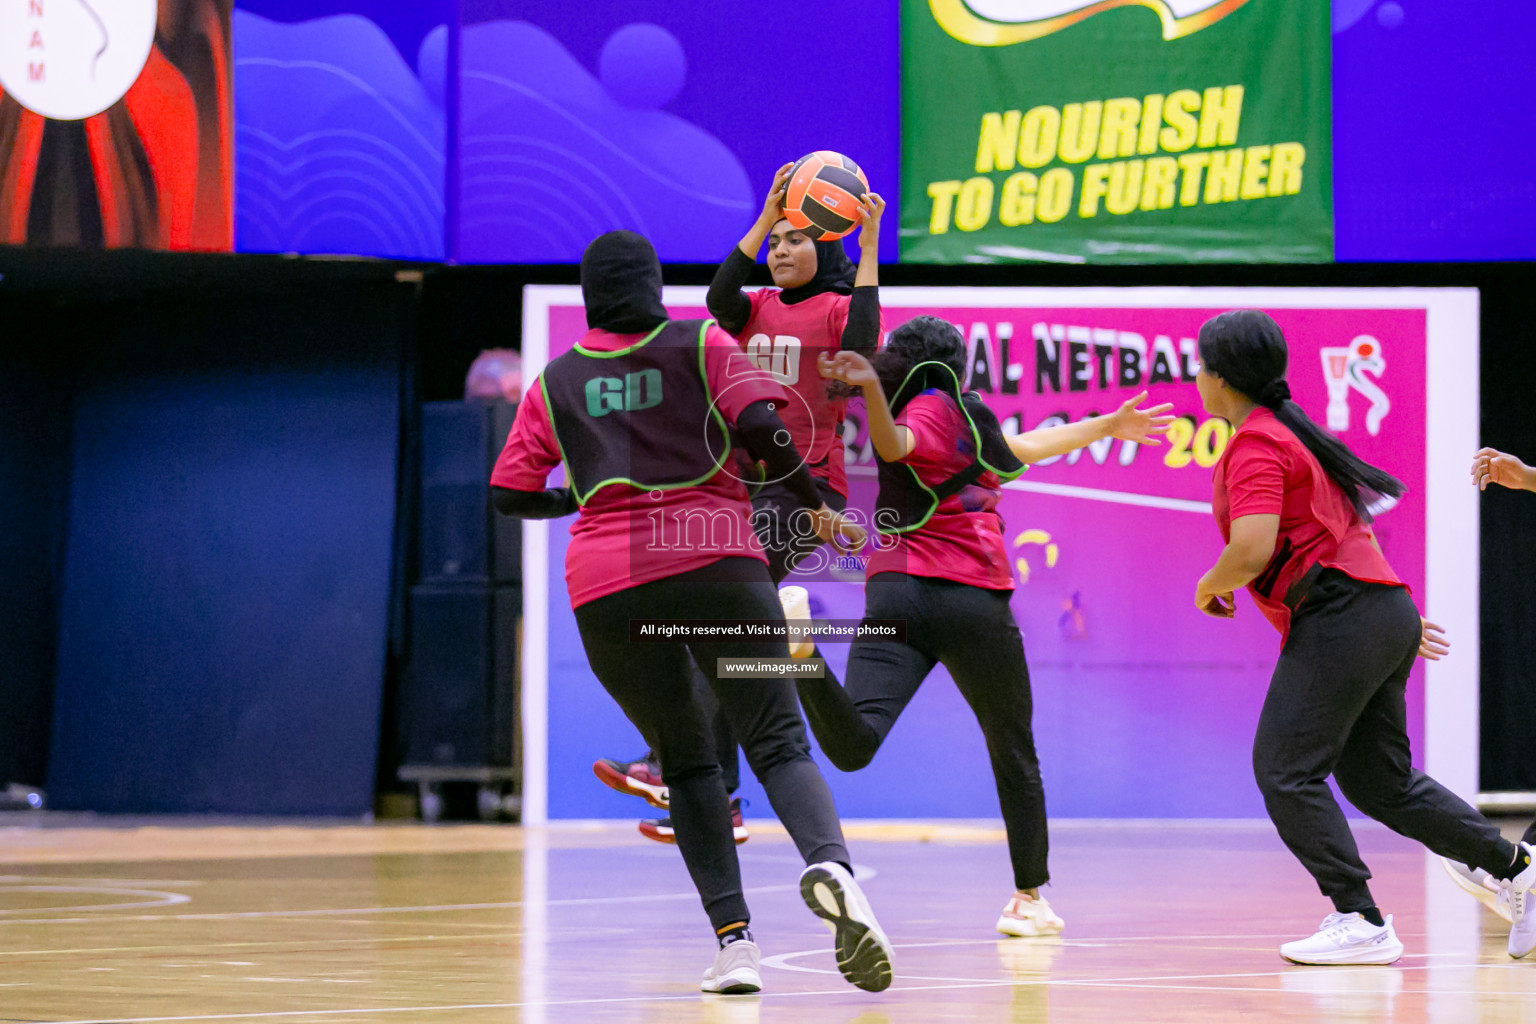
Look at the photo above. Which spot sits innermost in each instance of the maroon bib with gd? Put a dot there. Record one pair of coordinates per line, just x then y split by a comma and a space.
641, 416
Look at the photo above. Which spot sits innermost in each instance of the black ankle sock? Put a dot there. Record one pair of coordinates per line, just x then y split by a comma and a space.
738, 932
1373, 915
1517, 864
1504, 870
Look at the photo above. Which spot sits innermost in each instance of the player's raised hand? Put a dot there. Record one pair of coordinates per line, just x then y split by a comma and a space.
1130, 422
773, 206
871, 207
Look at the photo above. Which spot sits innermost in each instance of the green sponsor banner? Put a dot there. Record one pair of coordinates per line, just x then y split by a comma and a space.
1116, 131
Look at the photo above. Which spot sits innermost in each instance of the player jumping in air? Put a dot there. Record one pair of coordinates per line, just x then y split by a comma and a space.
942, 567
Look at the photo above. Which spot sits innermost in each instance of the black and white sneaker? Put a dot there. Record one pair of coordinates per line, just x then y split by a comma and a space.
863, 951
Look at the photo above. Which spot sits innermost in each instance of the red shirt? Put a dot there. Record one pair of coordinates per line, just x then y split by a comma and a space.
963, 539
624, 537
1266, 470
785, 340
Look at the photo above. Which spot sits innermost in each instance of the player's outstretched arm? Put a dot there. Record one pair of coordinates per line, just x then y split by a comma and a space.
1130, 422
1490, 466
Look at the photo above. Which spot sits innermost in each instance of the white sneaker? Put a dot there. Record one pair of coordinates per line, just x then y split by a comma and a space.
1479, 884
1522, 907
797, 612
735, 970
1346, 939
1028, 917
863, 951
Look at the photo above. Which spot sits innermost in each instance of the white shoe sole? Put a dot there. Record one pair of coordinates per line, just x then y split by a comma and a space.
1522, 943
1379, 955
739, 833
1026, 929
740, 982
797, 611
862, 949
1487, 897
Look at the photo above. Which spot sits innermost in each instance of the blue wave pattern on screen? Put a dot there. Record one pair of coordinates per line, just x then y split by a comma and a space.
339, 143
551, 156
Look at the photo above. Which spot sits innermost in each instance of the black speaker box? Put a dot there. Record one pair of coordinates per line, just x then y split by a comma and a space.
461, 692
461, 537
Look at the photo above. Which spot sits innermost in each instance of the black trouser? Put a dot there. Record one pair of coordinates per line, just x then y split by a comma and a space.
972, 632
786, 542
653, 683
1336, 706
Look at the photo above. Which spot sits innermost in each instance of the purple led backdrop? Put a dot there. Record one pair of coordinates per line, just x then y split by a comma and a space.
341, 140
1432, 139
680, 128
667, 117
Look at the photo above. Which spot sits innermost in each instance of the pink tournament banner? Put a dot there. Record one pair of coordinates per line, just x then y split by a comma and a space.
1143, 706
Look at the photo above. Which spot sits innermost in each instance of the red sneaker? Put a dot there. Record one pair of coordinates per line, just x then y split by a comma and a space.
640, 778
660, 829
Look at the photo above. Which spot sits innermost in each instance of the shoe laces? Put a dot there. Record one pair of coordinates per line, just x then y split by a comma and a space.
1336, 925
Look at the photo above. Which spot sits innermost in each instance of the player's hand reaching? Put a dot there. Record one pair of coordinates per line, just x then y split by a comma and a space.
773, 206
1130, 422
836, 529
871, 207
1490, 466
848, 367
1432, 642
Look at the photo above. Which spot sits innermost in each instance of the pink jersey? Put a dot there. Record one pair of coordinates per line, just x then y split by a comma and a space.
963, 539
624, 537
785, 340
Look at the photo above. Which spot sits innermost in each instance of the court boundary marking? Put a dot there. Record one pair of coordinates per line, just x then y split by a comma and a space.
1132, 983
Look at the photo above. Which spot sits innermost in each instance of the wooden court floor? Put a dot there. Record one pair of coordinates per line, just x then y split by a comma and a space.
478, 924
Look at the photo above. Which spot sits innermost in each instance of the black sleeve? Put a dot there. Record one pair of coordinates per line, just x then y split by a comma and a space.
862, 331
768, 439
727, 303
551, 503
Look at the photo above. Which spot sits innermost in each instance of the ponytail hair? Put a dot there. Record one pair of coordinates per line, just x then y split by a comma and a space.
1246, 349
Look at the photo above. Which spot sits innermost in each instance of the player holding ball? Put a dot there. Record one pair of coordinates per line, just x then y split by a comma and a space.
819, 305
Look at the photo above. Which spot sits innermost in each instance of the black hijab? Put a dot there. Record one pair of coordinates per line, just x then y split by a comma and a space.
621, 284
835, 272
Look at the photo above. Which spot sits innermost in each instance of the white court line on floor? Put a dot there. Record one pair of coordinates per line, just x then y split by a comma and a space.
80, 880
861, 872
779, 961
165, 899
843, 991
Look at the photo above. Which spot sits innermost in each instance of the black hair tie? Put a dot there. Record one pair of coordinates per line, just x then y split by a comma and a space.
1275, 394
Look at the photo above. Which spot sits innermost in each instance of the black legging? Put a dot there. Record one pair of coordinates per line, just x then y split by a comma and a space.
786, 541
1336, 705
972, 632
653, 683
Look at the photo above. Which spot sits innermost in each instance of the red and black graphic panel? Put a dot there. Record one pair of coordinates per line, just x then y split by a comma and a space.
116, 121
